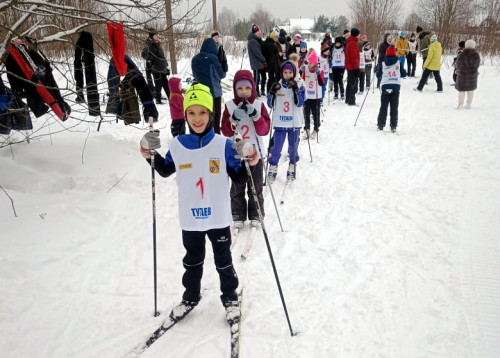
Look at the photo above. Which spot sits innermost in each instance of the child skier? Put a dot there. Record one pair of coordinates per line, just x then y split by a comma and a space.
338, 68
286, 97
247, 117
362, 73
203, 162
369, 58
302, 55
178, 125
390, 72
325, 62
411, 57
313, 78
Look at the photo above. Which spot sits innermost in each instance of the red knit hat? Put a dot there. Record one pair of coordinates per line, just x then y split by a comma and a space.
255, 28
391, 51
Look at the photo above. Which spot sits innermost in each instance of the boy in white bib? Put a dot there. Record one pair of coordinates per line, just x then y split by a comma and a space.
203, 162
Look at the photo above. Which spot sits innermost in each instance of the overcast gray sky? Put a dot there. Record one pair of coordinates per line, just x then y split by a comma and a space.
284, 9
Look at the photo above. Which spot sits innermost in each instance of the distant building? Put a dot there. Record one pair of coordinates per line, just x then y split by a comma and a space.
301, 26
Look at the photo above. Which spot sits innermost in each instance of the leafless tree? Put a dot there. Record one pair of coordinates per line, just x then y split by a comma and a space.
263, 19
374, 17
227, 19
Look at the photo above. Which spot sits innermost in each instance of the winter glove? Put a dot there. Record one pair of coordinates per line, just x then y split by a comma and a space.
149, 110
251, 112
237, 116
246, 150
150, 141
293, 85
318, 70
303, 68
168, 71
274, 88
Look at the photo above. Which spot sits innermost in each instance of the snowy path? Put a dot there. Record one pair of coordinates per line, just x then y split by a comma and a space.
390, 246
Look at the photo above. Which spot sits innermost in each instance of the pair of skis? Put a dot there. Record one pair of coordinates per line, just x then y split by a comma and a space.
234, 324
249, 240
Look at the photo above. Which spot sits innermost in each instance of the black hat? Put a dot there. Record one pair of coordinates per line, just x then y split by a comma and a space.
152, 31
346, 31
214, 33
339, 39
354, 32
419, 29
461, 44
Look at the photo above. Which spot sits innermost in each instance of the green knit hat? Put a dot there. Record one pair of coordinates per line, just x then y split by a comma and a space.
198, 94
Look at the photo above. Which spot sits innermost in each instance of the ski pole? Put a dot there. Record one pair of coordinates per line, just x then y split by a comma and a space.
261, 219
269, 145
262, 157
153, 192
242, 57
362, 104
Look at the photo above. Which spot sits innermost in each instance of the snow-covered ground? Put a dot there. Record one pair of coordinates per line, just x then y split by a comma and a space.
390, 249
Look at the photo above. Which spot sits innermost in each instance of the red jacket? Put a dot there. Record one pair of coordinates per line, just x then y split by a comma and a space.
262, 125
176, 99
352, 54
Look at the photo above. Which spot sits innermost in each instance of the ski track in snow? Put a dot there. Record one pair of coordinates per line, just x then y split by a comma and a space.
390, 246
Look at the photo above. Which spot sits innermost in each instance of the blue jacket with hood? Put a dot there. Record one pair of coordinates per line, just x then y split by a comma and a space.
207, 69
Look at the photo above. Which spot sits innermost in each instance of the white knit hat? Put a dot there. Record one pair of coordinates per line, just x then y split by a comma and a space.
470, 44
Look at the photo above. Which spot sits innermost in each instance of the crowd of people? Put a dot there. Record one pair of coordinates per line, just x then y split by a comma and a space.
292, 79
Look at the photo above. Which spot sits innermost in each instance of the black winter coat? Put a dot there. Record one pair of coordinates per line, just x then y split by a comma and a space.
154, 55
271, 53
467, 70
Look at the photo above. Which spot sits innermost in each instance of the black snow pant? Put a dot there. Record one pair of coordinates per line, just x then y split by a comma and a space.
361, 81
273, 77
392, 99
311, 106
160, 82
217, 113
426, 75
368, 76
337, 77
411, 58
239, 206
194, 243
352, 86
260, 77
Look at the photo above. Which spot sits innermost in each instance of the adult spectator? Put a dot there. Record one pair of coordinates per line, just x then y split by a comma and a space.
467, 72
382, 49
257, 59
221, 54
284, 44
432, 64
155, 58
424, 38
295, 47
352, 59
272, 53
207, 70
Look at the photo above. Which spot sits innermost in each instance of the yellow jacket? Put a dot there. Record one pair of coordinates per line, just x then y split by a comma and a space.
402, 47
433, 61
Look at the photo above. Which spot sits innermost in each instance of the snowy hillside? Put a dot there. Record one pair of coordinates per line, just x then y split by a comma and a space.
391, 243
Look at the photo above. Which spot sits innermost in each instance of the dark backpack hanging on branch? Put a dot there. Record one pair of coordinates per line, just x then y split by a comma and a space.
14, 113
85, 65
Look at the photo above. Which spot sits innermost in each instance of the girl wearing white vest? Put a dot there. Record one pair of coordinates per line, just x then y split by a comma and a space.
247, 117
313, 78
390, 72
203, 162
338, 69
286, 97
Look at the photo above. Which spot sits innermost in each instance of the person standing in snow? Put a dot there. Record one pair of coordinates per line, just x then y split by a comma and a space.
382, 49
176, 100
467, 72
352, 67
221, 54
313, 78
247, 117
411, 57
284, 44
207, 70
325, 63
461, 47
257, 60
369, 58
295, 47
344, 38
402, 48
203, 162
338, 69
156, 61
390, 72
286, 98
272, 53
432, 64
